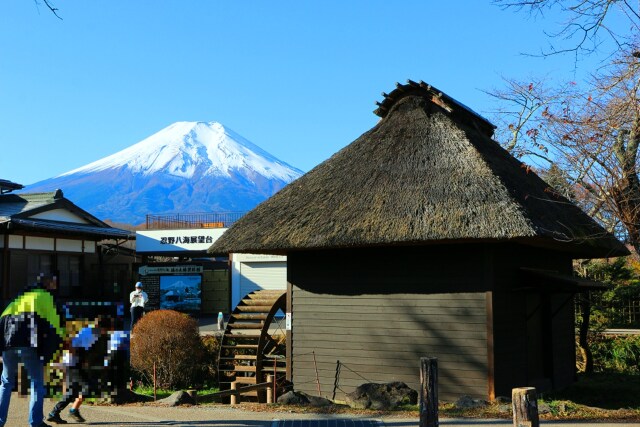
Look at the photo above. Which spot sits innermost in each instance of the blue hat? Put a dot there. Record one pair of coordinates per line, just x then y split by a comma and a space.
138, 284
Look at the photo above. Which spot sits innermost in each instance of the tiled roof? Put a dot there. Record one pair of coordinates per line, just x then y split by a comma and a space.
7, 186
12, 204
15, 212
73, 228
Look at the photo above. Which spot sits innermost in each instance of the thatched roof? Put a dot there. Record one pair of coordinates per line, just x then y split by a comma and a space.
427, 173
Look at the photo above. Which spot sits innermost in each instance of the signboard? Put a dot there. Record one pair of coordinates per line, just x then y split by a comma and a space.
240, 257
173, 286
182, 240
152, 288
181, 293
170, 269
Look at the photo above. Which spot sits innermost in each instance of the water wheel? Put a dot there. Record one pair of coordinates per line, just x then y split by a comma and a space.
253, 344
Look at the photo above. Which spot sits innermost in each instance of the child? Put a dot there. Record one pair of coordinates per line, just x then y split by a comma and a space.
85, 367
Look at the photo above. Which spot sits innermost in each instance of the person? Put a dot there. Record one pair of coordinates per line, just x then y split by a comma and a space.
32, 333
138, 298
118, 362
85, 363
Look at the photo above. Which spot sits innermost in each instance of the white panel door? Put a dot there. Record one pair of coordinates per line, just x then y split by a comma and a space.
262, 275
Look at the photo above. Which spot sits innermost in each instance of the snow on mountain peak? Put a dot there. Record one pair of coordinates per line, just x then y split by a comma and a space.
186, 148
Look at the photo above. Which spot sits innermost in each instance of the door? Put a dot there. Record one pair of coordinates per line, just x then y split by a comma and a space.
261, 275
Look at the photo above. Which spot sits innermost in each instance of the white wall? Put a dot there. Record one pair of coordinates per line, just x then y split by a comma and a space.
250, 272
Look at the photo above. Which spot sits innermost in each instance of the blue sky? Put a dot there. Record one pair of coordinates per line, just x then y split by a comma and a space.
297, 78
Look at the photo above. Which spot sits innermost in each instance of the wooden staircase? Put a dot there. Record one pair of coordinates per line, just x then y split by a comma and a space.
250, 347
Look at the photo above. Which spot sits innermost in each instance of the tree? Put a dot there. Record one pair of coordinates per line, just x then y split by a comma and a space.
585, 140
588, 23
588, 138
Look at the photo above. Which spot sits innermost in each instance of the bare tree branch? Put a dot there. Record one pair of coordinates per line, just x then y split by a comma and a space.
50, 6
585, 21
590, 137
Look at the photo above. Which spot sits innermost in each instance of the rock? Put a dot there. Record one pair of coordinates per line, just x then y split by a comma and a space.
468, 402
317, 401
178, 398
300, 398
293, 398
381, 396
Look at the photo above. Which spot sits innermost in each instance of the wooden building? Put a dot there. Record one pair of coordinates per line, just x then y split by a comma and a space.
47, 233
424, 237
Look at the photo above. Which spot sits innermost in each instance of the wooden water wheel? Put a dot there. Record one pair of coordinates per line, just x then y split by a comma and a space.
253, 344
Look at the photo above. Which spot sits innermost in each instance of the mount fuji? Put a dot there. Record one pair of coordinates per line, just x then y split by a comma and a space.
188, 167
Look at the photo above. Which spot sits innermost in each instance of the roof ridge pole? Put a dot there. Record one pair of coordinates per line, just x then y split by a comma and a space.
400, 87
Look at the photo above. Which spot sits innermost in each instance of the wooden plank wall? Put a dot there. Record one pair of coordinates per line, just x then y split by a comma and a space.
379, 317
380, 338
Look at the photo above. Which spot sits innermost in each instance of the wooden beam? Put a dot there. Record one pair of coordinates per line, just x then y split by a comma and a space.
289, 334
234, 392
491, 375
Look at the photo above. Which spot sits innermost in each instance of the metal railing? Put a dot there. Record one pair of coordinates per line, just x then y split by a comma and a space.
192, 220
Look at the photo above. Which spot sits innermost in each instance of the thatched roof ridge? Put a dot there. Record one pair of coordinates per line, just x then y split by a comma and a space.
455, 109
418, 177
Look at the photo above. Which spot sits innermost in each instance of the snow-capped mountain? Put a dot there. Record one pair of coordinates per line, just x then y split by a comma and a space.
188, 167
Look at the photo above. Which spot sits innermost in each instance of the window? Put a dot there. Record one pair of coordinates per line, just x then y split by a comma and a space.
69, 270
36, 264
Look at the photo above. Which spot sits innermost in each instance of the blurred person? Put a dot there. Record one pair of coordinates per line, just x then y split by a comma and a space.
85, 362
32, 334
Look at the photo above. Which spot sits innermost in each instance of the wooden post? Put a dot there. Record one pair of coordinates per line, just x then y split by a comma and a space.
429, 392
525, 407
270, 389
154, 382
233, 398
275, 383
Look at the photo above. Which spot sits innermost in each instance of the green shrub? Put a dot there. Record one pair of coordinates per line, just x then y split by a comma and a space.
211, 346
171, 341
613, 308
619, 354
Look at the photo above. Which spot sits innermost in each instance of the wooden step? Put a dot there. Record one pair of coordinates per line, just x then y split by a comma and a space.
254, 308
241, 336
258, 326
254, 302
237, 368
245, 368
249, 316
258, 301
269, 369
240, 357
241, 346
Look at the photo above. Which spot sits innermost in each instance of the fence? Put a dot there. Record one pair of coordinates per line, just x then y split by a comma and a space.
622, 312
192, 220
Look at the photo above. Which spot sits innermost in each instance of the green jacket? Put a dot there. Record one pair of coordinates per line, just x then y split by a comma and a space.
32, 320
